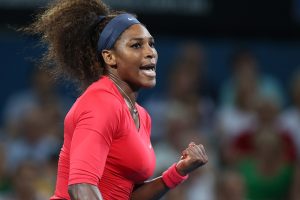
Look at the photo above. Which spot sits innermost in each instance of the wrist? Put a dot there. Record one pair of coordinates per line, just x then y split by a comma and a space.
172, 177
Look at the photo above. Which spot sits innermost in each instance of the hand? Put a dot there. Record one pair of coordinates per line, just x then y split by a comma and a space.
192, 157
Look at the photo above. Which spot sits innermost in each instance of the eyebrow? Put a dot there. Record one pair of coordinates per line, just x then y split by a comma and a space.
141, 39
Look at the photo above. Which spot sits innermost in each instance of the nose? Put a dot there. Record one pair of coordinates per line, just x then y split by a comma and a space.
150, 52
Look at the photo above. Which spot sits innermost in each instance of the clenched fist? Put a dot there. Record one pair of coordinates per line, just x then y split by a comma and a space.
192, 157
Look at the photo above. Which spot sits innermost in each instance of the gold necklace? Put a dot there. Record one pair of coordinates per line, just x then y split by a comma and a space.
114, 79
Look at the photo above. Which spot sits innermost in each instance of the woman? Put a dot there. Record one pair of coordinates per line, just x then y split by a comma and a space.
107, 153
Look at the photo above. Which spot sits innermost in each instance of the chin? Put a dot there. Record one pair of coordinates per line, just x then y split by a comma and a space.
149, 84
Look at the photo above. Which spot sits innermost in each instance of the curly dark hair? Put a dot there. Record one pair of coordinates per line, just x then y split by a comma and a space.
70, 29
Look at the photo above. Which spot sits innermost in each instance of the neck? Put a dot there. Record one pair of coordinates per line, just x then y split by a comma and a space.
123, 87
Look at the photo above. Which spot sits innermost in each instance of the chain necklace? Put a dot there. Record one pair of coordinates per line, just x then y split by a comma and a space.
114, 79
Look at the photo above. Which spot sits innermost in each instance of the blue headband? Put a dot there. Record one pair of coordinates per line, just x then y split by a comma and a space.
114, 29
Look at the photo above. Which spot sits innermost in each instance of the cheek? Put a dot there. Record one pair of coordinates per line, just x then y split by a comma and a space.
128, 66
129, 58
133, 62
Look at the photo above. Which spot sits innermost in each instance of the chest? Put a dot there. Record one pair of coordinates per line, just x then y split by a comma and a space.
131, 155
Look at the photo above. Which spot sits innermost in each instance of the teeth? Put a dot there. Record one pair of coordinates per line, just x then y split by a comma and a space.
150, 68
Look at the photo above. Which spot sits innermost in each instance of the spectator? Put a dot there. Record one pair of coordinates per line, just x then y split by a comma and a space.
34, 142
183, 94
239, 98
230, 185
232, 120
267, 175
245, 64
290, 119
24, 182
42, 95
268, 111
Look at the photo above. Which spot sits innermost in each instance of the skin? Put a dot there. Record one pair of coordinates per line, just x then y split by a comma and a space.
135, 48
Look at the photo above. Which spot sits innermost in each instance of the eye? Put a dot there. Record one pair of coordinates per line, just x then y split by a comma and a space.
136, 45
151, 44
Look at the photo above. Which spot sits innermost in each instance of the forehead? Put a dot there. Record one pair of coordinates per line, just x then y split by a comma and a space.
135, 31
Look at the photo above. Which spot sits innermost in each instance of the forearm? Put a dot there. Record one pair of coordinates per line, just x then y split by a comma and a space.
150, 190
156, 188
84, 192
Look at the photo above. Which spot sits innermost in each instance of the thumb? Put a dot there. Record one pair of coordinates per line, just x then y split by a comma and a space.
184, 154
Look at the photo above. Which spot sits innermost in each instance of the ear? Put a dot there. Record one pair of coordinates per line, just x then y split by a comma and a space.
109, 57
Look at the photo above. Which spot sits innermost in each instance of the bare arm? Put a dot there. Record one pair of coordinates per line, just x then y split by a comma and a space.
193, 157
84, 191
150, 190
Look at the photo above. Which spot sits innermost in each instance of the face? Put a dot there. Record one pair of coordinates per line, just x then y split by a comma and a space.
136, 57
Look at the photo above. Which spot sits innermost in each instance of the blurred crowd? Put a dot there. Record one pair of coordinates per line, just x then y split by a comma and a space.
251, 131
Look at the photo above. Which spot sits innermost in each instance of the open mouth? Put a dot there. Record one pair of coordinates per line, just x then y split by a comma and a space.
150, 67
149, 70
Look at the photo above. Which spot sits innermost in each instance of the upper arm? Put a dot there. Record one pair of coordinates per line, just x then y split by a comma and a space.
96, 123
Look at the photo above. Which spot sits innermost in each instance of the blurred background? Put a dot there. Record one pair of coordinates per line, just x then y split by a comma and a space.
228, 77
